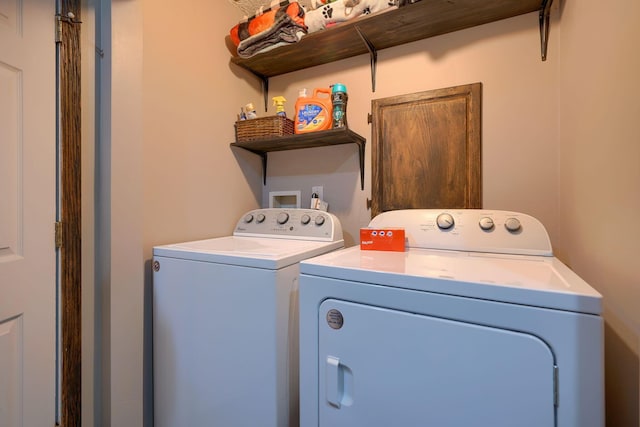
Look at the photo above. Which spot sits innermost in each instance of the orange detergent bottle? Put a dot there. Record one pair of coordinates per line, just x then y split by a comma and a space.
313, 113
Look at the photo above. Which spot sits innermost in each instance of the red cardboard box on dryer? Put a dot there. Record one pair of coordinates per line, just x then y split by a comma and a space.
382, 239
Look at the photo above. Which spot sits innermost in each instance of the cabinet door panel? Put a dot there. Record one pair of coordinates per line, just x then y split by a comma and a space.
426, 150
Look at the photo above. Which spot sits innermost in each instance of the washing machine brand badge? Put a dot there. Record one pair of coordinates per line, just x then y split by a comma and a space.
335, 319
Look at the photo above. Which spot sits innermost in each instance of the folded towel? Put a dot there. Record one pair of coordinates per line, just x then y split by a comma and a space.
283, 31
280, 24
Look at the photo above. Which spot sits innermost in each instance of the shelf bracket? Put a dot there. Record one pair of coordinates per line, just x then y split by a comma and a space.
265, 91
263, 156
373, 57
361, 158
545, 11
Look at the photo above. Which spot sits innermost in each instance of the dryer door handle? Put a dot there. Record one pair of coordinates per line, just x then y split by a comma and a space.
338, 383
334, 381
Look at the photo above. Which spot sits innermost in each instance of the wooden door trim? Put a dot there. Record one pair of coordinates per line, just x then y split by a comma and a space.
70, 211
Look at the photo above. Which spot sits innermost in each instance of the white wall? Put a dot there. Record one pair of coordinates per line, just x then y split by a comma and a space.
599, 192
194, 184
165, 173
120, 258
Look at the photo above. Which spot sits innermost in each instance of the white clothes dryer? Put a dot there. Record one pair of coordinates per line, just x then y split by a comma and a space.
225, 321
476, 323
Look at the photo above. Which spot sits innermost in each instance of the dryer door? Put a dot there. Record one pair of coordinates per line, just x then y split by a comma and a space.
381, 368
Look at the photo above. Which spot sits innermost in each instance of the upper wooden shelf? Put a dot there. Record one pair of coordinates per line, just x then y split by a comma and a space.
369, 33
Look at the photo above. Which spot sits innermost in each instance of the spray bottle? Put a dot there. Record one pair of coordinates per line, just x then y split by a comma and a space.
278, 102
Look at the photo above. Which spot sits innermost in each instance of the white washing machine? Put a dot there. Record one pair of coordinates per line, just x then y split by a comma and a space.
225, 321
475, 324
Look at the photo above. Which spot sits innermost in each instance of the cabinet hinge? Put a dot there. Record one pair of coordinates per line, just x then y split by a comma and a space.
369, 118
58, 234
58, 29
69, 18
555, 386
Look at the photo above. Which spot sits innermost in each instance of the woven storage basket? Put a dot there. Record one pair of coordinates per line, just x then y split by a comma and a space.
263, 127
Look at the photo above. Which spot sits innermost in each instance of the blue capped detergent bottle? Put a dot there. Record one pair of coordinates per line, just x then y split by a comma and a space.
339, 105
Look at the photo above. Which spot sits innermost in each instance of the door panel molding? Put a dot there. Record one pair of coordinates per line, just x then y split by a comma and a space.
11, 228
11, 357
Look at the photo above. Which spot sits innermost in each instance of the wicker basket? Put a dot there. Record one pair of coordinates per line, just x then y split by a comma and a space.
263, 127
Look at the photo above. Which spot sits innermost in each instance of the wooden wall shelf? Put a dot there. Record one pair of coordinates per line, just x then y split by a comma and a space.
370, 33
306, 140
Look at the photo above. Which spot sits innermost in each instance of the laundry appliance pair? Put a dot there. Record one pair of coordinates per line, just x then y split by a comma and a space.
475, 323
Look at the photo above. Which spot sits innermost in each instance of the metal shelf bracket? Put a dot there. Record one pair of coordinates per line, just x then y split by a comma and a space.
373, 56
545, 11
361, 157
265, 91
264, 167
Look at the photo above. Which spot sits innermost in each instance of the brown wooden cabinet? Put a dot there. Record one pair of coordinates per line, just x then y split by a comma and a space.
426, 150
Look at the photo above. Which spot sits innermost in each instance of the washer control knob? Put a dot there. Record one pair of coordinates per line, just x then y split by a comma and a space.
282, 217
305, 219
248, 218
445, 221
319, 220
512, 224
260, 218
486, 223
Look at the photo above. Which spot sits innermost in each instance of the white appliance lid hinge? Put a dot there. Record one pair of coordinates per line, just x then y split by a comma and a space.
555, 386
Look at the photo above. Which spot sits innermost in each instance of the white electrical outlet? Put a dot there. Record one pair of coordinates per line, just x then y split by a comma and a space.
318, 189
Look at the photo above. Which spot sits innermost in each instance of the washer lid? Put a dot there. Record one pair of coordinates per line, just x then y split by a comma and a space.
247, 251
539, 281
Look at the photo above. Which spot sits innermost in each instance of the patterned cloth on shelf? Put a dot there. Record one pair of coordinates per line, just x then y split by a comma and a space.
280, 24
330, 12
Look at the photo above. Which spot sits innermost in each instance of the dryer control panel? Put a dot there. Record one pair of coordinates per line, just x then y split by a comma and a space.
303, 224
472, 230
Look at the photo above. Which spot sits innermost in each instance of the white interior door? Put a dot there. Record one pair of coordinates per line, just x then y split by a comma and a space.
381, 368
27, 213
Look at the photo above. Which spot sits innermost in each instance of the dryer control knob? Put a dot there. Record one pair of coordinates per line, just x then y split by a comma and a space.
486, 223
282, 217
260, 218
248, 218
512, 224
305, 219
319, 220
445, 221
